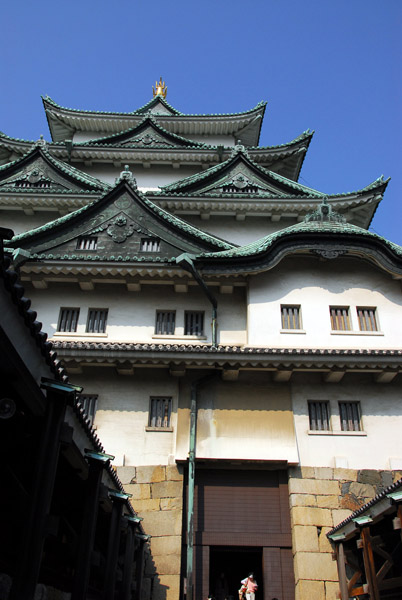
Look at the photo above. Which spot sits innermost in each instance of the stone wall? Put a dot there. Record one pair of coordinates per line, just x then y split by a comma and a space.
320, 498
158, 498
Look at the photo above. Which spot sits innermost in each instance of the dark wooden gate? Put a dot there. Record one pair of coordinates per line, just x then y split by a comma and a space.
244, 508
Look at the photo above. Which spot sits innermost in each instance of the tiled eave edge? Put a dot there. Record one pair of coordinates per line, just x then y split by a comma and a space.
74, 269
242, 356
12, 283
376, 508
64, 201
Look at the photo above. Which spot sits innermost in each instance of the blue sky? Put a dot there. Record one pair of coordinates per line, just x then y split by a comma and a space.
334, 67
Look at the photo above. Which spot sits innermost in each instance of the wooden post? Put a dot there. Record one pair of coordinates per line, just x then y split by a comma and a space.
343, 582
118, 499
369, 565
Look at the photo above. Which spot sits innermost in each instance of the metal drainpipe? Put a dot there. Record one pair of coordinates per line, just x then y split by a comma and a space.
186, 262
191, 480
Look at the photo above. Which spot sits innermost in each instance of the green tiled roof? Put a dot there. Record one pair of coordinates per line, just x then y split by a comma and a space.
139, 111
262, 245
80, 176
165, 215
199, 177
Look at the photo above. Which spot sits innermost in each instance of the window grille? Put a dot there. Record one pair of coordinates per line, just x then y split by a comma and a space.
367, 319
340, 319
68, 319
89, 404
36, 184
194, 323
97, 318
291, 317
165, 322
160, 412
349, 413
319, 416
233, 189
88, 242
150, 245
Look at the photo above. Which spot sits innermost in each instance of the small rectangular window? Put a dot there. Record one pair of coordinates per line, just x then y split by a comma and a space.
291, 317
68, 319
97, 319
349, 413
193, 323
340, 319
89, 404
319, 416
367, 319
160, 412
87, 242
150, 245
165, 322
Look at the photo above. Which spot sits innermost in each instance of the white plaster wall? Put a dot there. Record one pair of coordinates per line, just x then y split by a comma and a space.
316, 286
238, 232
131, 316
123, 412
378, 446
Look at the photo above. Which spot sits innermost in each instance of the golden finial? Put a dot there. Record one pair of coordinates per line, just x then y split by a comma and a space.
160, 89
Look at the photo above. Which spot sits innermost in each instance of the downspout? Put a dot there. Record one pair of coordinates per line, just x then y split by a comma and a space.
191, 480
186, 262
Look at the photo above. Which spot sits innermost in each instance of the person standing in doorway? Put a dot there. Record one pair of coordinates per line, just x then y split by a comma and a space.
251, 586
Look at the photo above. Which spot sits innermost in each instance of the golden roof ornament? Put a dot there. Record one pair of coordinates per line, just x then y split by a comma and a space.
160, 89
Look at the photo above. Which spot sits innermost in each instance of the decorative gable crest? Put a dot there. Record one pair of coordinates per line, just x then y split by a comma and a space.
325, 214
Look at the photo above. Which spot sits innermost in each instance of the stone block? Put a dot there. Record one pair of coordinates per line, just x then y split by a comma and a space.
139, 491
332, 590
171, 503
126, 474
327, 501
323, 542
312, 486
174, 473
345, 474
310, 590
323, 473
320, 517
146, 505
362, 490
350, 502
315, 566
167, 564
163, 522
396, 476
166, 587
170, 544
340, 515
305, 538
167, 489
302, 500
386, 479
369, 476
151, 474
308, 472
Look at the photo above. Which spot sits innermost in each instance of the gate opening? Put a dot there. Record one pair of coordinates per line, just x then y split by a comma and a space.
228, 565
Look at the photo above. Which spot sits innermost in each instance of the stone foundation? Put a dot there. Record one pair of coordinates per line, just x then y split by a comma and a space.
320, 498
158, 498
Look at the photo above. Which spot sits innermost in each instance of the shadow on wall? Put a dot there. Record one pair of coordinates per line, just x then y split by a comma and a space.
152, 588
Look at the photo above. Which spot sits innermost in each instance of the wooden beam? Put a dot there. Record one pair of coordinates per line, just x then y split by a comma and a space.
282, 376
333, 376
369, 566
385, 376
343, 582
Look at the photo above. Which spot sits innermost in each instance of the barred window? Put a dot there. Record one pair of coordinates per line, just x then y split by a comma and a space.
367, 319
87, 242
160, 412
89, 404
193, 323
319, 416
340, 318
97, 319
68, 319
150, 245
291, 317
349, 413
165, 322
